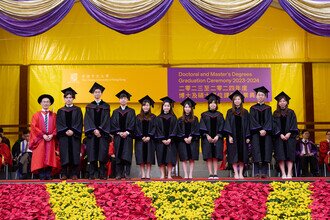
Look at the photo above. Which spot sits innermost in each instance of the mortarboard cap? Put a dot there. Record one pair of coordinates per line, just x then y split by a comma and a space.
262, 89
147, 99
213, 96
281, 95
69, 91
188, 101
235, 94
124, 93
96, 86
167, 99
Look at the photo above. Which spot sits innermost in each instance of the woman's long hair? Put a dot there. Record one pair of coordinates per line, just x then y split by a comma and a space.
233, 110
144, 115
190, 117
278, 112
171, 109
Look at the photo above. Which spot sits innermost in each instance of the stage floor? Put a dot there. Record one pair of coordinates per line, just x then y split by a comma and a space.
247, 179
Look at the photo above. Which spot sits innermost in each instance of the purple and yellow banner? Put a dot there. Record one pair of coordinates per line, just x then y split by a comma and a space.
197, 83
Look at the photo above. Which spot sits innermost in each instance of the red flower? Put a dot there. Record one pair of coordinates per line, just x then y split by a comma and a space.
28, 201
321, 200
242, 201
123, 201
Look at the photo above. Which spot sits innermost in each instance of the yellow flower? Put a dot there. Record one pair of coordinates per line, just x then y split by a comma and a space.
73, 201
175, 200
289, 200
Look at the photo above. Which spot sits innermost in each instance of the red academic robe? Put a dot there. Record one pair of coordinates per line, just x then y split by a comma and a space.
5, 155
324, 156
111, 152
43, 152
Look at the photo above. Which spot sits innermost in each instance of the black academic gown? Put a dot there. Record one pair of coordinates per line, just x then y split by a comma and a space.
69, 118
185, 130
145, 152
166, 129
285, 150
212, 123
237, 125
97, 117
121, 121
16, 150
261, 119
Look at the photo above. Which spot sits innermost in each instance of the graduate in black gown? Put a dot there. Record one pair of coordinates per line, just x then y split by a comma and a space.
261, 125
144, 137
237, 128
211, 129
69, 122
285, 131
166, 149
188, 137
97, 132
122, 127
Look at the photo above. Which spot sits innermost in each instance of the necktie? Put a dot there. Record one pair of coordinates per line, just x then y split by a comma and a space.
305, 147
23, 147
46, 122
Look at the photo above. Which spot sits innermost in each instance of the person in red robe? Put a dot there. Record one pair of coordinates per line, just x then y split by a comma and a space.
5, 154
324, 156
111, 165
42, 139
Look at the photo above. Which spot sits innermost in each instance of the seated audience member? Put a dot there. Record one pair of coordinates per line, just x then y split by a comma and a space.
111, 165
324, 151
16, 149
4, 139
22, 155
307, 155
5, 154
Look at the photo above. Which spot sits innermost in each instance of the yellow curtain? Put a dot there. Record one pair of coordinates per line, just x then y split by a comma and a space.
321, 84
9, 95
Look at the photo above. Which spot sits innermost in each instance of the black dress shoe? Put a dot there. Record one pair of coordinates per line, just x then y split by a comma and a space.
118, 177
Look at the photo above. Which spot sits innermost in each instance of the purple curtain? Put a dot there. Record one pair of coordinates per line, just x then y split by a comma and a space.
225, 25
129, 25
35, 26
306, 23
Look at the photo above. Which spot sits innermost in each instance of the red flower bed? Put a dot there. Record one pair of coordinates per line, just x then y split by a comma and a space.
24, 201
242, 201
320, 200
123, 201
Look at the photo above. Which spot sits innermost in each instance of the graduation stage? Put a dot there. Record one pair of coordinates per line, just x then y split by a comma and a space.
179, 179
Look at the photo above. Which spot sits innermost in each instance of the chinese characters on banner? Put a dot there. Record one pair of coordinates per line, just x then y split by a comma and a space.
197, 83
